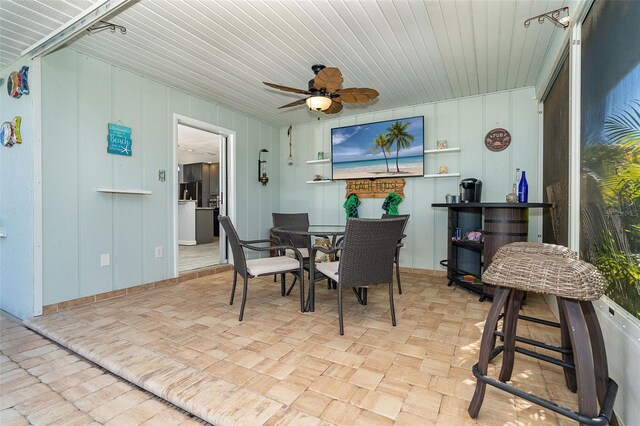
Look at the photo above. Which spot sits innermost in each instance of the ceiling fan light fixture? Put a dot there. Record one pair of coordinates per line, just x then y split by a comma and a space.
318, 103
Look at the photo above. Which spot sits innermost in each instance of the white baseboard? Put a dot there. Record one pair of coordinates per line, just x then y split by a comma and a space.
187, 242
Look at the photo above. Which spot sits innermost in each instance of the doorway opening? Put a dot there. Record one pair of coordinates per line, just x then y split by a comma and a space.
200, 193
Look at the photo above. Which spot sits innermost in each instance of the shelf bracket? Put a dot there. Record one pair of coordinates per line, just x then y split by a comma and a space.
104, 25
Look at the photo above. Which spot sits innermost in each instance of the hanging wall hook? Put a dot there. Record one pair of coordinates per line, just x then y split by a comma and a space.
290, 159
553, 16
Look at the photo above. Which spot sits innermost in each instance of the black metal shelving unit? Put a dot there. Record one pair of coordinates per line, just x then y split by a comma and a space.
465, 257
501, 224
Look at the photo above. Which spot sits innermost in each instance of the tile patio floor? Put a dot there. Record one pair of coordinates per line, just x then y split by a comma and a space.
279, 366
198, 256
44, 383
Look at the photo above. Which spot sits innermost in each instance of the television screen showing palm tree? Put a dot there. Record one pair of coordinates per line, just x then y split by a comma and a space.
392, 148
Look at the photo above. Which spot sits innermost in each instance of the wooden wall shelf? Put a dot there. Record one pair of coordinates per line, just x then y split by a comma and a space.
442, 175
438, 151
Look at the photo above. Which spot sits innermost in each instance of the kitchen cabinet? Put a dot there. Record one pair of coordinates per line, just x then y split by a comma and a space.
214, 179
204, 199
207, 176
204, 225
192, 172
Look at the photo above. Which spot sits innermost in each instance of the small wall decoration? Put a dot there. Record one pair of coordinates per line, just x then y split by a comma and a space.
15, 127
378, 188
10, 132
6, 134
17, 83
441, 144
497, 139
119, 140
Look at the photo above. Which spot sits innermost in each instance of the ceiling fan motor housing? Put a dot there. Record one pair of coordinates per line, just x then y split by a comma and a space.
315, 92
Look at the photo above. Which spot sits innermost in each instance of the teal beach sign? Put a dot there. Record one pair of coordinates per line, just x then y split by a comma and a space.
119, 140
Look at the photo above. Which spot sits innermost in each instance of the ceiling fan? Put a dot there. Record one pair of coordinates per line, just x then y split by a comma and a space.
326, 93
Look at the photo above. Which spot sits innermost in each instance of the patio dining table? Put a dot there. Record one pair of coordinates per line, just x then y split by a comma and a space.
330, 232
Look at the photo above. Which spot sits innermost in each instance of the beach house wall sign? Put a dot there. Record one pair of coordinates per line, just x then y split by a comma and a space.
374, 188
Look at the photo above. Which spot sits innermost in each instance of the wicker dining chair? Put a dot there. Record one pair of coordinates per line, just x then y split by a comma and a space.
396, 259
295, 221
302, 243
260, 266
367, 259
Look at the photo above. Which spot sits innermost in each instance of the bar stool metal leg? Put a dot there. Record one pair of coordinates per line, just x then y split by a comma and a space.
580, 342
599, 355
510, 323
487, 343
565, 342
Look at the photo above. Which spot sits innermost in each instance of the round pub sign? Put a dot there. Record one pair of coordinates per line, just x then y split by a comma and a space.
497, 139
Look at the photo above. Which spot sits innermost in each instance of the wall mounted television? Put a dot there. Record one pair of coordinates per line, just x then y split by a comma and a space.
384, 149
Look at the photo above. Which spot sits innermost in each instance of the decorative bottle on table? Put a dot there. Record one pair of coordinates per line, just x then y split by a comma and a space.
512, 197
516, 181
523, 189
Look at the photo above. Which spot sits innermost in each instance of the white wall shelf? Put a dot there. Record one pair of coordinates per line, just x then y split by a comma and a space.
441, 151
326, 160
438, 151
124, 191
320, 181
442, 175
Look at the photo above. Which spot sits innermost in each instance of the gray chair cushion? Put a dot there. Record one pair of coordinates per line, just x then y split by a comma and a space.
271, 265
329, 269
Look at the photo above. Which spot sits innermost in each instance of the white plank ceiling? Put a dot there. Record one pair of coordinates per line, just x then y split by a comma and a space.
411, 51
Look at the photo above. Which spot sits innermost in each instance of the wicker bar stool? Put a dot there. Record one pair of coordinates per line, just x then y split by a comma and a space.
524, 247
515, 301
575, 284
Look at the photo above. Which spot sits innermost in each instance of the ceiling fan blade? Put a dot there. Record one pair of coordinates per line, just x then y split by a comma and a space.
337, 99
329, 79
294, 103
334, 108
287, 89
357, 94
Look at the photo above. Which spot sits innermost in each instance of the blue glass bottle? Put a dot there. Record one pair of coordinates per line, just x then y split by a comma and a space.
523, 189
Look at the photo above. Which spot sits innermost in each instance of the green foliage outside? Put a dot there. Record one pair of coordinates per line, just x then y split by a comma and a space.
612, 215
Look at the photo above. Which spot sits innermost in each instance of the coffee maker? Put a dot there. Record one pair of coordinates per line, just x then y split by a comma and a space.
470, 190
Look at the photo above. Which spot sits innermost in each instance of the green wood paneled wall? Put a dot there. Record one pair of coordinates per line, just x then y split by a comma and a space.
81, 95
463, 123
